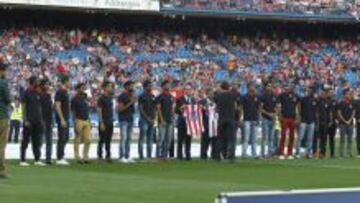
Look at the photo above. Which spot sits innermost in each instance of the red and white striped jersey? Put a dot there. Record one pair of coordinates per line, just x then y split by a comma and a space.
194, 119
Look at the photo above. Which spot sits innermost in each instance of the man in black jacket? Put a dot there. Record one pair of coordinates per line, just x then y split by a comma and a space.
47, 109
183, 137
33, 122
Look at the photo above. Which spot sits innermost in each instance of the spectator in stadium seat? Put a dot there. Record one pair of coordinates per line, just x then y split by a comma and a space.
106, 120
33, 122
82, 125
47, 111
62, 109
147, 109
126, 109
307, 109
4, 104
165, 113
251, 108
288, 119
346, 114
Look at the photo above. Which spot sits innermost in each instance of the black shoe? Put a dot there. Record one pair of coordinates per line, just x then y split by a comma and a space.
3, 176
109, 160
48, 162
80, 162
87, 162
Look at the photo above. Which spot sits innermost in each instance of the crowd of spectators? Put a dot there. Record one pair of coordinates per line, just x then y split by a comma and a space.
307, 7
91, 56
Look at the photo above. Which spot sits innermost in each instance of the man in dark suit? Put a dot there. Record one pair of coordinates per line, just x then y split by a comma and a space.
183, 137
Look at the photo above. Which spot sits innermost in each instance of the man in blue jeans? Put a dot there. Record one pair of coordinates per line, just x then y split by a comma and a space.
126, 109
268, 112
346, 115
307, 109
251, 107
147, 110
165, 112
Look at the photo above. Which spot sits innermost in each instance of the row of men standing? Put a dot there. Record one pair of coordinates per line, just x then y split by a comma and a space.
234, 112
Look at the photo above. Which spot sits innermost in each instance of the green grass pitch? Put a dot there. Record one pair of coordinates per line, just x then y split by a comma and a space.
170, 182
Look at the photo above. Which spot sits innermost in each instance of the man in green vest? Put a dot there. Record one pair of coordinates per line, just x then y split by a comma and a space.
4, 117
15, 121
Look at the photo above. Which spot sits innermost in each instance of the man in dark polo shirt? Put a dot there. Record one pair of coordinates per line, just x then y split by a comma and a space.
62, 108
147, 108
288, 102
82, 125
307, 109
33, 122
358, 125
324, 121
268, 112
346, 115
165, 112
226, 106
106, 119
126, 109
183, 137
250, 108
47, 110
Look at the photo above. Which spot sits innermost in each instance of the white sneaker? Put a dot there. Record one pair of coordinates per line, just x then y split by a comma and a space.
129, 160
290, 157
282, 157
62, 162
39, 163
298, 157
124, 161
23, 163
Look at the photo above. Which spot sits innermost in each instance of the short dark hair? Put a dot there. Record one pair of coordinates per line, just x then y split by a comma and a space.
44, 82
64, 79
33, 80
128, 83
3, 66
163, 84
79, 85
106, 83
147, 83
225, 85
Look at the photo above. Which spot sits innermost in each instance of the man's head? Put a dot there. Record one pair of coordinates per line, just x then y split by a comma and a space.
64, 80
188, 90
129, 86
268, 88
251, 89
225, 86
165, 86
45, 84
147, 85
290, 89
33, 81
108, 87
347, 95
81, 87
3, 68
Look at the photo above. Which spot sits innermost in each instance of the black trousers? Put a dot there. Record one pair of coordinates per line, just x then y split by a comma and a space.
63, 138
183, 139
225, 144
48, 141
14, 129
358, 138
105, 138
206, 143
32, 133
331, 137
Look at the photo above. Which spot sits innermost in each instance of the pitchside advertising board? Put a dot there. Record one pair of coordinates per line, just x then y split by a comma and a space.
139, 5
343, 195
